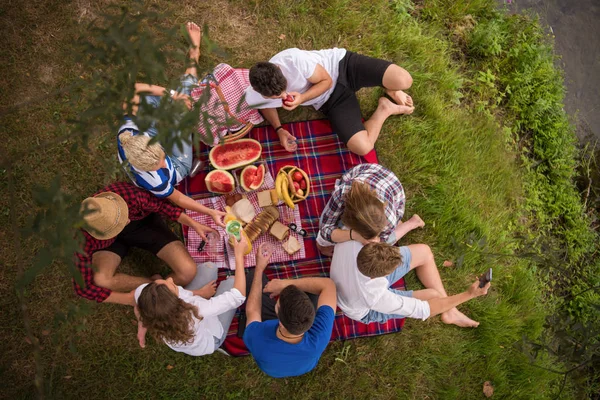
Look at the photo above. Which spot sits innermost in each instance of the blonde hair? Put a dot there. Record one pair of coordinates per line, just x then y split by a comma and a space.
378, 259
139, 153
363, 211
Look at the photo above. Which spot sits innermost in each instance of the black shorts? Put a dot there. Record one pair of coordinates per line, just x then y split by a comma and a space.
342, 108
150, 233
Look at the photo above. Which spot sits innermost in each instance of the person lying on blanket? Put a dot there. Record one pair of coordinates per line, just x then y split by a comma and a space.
328, 80
121, 216
149, 166
363, 275
287, 337
191, 320
367, 205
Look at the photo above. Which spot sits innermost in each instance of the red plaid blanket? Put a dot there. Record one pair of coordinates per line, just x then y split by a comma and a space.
321, 155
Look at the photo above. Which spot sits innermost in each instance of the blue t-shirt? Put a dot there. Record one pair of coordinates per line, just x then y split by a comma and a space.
161, 182
280, 359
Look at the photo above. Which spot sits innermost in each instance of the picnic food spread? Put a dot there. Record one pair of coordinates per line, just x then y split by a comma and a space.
252, 177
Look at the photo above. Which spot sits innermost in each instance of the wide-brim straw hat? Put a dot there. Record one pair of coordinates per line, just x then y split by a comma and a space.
105, 215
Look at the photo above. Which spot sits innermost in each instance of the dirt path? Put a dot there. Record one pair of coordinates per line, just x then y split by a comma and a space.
576, 25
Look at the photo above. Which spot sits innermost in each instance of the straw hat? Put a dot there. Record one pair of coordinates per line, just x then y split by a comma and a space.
106, 216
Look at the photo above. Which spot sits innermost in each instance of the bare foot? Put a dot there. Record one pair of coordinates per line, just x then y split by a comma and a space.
207, 291
416, 221
400, 97
455, 317
195, 36
390, 108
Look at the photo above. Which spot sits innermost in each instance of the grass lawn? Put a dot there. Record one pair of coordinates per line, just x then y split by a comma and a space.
459, 169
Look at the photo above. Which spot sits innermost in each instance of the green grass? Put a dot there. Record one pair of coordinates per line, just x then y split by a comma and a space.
459, 167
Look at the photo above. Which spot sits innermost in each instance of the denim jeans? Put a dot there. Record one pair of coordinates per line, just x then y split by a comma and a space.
181, 159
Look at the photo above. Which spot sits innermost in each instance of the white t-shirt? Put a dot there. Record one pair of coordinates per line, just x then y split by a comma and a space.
357, 293
297, 66
209, 328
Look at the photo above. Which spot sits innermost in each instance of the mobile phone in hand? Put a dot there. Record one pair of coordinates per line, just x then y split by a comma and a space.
485, 278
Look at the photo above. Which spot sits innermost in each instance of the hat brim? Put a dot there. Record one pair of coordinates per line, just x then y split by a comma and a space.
123, 218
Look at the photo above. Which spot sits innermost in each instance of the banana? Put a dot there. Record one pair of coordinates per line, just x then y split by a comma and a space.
278, 185
286, 195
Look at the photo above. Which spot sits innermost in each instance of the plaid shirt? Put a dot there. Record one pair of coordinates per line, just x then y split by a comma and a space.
388, 189
141, 203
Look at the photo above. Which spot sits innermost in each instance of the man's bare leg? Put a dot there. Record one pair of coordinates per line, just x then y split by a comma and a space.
363, 142
195, 36
106, 263
424, 264
395, 80
177, 257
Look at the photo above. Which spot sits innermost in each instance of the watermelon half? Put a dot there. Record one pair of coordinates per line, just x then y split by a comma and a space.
219, 181
252, 177
235, 154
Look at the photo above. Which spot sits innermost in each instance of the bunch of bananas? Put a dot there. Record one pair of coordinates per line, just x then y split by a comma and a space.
292, 185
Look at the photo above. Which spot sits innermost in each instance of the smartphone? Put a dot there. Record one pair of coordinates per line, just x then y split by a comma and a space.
485, 278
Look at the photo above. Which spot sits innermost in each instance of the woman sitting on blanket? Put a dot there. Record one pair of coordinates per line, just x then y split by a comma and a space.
149, 167
191, 320
367, 205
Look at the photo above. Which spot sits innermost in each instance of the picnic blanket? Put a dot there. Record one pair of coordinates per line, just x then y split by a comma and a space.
324, 158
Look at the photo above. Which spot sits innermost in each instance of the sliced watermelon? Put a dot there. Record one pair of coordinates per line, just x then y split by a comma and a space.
219, 181
235, 154
252, 177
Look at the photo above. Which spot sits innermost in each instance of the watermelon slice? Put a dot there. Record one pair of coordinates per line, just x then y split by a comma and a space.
252, 177
219, 181
235, 154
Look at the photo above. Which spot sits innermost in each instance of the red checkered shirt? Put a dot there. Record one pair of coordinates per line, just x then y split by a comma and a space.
141, 203
388, 189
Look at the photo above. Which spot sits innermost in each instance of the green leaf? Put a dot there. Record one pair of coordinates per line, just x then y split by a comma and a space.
42, 260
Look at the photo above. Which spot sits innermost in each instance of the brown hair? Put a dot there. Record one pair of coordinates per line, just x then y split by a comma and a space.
166, 316
378, 259
267, 79
363, 211
296, 311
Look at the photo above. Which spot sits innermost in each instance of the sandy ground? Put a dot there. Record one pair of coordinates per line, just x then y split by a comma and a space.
576, 25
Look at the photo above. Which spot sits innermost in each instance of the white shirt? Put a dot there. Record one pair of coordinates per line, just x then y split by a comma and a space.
357, 293
297, 66
209, 328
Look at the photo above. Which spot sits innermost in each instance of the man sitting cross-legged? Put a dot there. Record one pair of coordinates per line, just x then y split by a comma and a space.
287, 337
363, 276
328, 81
121, 216
149, 166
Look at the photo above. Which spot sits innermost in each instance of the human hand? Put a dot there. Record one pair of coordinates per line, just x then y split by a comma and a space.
263, 254
187, 100
203, 230
217, 216
239, 248
476, 291
288, 141
291, 105
275, 286
207, 291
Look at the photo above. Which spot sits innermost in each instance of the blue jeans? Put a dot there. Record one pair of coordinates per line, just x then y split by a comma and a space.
399, 272
204, 276
181, 159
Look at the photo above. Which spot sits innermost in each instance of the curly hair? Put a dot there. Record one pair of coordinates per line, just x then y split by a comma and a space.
267, 79
166, 316
363, 211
